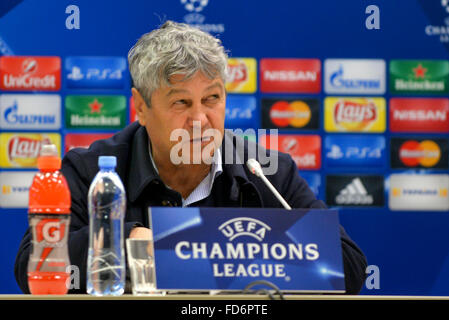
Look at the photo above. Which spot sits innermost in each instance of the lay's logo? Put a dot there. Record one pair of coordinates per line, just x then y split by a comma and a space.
241, 76
354, 114
350, 111
22, 149
25, 147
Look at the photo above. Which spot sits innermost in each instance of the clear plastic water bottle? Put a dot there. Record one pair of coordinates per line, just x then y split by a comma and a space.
107, 203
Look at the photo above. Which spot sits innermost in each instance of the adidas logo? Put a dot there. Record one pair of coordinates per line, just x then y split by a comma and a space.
354, 193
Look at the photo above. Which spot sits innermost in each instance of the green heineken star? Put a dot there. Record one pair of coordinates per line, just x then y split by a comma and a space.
95, 112
419, 76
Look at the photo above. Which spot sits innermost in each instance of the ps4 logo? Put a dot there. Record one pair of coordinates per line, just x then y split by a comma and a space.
239, 113
354, 153
94, 74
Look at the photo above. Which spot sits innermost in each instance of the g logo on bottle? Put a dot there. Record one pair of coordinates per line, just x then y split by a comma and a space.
50, 230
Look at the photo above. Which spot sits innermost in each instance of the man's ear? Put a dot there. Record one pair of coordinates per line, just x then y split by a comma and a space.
139, 105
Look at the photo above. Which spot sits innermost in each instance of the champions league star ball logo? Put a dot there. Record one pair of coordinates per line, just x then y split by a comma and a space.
194, 5
444, 3
440, 30
196, 19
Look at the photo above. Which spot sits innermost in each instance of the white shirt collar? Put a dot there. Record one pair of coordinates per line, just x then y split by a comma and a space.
204, 188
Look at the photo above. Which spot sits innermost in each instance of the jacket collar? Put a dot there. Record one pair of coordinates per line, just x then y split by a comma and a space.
142, 172
233, 163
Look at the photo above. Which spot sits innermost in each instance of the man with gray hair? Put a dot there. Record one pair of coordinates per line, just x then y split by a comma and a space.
177, 153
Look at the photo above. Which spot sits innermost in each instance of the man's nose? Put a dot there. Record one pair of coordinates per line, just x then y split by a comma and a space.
198, 116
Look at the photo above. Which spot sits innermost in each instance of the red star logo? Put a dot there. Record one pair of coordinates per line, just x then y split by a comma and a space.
95, 107
419, 71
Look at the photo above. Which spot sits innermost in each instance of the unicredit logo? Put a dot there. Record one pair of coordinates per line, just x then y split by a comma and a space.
29, 65
30, 73
305, 150
27, 82
303, 159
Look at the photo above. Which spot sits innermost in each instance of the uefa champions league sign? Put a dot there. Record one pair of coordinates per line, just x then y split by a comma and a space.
229, 248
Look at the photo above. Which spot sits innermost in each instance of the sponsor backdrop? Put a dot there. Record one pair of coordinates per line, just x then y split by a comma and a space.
362, 107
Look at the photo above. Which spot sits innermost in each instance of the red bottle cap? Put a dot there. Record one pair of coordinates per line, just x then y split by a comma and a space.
49, 159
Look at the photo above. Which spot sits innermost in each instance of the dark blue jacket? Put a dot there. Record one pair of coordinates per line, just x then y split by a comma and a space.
235, 187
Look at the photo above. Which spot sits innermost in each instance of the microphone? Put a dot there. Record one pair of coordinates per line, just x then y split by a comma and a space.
256, 169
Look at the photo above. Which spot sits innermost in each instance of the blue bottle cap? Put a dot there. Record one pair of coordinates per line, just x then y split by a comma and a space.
107, 162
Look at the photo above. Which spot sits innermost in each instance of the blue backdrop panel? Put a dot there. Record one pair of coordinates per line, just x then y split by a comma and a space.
411, 249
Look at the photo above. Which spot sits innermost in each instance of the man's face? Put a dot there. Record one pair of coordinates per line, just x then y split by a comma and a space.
197, 106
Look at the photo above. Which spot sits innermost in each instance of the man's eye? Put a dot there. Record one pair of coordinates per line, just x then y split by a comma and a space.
213, 97
180, 102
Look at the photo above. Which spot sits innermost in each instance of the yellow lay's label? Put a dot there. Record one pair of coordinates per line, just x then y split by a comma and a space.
242, 75
344, 114
21, 150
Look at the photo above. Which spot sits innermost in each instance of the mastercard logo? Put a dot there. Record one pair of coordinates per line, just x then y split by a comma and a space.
426, 153
296, 114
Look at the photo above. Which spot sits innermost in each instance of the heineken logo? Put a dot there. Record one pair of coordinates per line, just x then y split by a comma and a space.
414, 76
420, 71
95, 106
108, 112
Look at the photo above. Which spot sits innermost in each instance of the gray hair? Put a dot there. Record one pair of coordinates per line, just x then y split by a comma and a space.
174, 48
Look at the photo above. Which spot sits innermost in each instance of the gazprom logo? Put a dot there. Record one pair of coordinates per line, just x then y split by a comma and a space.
355, 76
338, 80
36, 111
12, 116
244, 226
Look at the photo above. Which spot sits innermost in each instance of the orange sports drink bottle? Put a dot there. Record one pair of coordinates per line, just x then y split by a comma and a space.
49, 220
